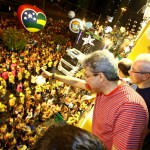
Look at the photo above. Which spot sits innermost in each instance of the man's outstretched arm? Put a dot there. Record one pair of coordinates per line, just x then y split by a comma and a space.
72, 81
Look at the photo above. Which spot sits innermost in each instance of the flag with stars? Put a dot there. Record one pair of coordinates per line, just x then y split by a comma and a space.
33, 21
31, 17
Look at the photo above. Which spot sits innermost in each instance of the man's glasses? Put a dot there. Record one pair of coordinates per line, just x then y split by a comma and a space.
140, 72
91, 75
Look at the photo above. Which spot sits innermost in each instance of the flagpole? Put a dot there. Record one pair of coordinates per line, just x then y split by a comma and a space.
99, 17
43, 4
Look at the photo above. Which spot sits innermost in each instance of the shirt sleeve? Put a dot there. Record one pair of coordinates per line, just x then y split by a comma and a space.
129, 127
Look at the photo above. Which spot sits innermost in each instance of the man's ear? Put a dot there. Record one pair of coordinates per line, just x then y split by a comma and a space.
101, 76
146, 76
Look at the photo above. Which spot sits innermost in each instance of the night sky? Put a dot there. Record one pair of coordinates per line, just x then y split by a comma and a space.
99, 6
105, 8
95, 8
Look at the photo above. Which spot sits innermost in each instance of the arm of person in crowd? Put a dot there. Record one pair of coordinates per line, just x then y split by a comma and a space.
72, 81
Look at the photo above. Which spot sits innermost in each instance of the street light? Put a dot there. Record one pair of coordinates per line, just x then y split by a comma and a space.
123, 9
107, 43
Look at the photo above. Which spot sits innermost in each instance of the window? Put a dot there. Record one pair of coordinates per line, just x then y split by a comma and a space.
73, 61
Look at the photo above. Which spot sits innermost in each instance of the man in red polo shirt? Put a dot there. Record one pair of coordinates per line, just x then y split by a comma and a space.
120, 116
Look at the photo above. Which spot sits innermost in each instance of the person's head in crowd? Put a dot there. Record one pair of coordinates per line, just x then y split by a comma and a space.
140, 71
68, 137
102, 65
3, 128
124, 66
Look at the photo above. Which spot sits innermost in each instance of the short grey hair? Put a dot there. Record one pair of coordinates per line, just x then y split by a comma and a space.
144, 58
102, 61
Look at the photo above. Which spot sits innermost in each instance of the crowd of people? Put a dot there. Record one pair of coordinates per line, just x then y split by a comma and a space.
25, 104
121, 116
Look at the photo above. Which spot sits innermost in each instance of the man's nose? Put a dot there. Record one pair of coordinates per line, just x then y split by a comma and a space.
129, 71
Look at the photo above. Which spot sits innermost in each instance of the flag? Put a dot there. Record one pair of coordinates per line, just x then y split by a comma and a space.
33, 21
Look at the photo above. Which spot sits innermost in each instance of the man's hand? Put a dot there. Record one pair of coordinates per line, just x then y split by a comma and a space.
86, 97
45, 73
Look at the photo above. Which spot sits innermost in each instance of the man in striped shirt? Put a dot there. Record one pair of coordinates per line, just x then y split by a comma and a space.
120, 114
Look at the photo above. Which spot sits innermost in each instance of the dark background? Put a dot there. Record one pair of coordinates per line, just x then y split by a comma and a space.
90, 9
